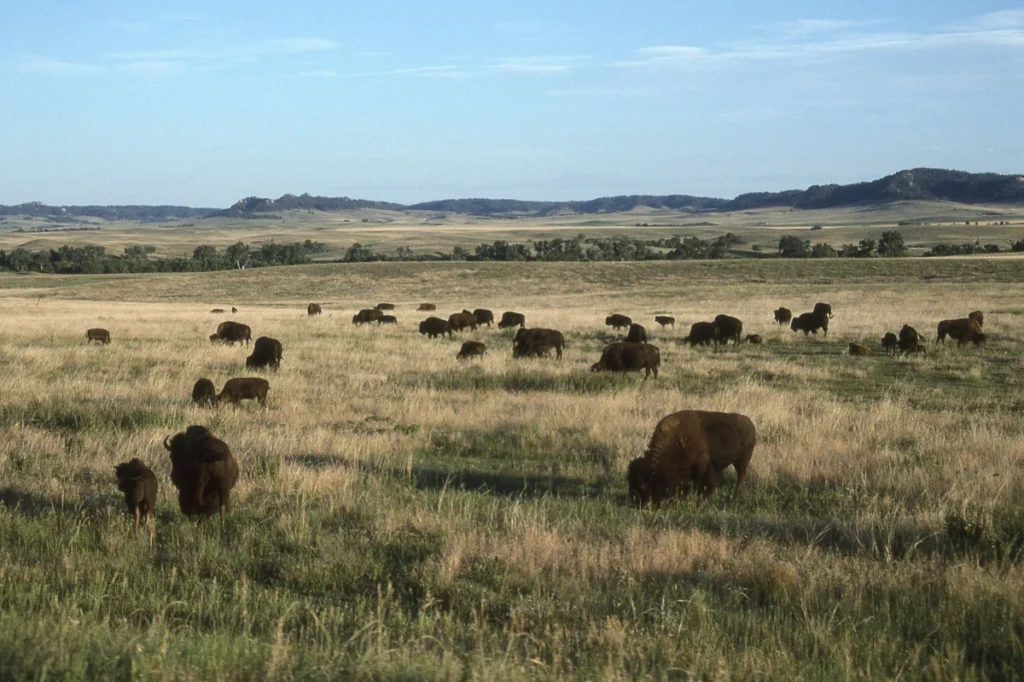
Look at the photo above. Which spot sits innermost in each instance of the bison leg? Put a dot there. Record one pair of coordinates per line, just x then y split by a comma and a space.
741, 473
137, 515
558, 352
707, 482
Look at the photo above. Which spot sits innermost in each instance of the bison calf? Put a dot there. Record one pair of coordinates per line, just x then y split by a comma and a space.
204, 393
385, 306
427, 306
244, 388
629, 357
313, 309
857, 349
754, 339
891, 343
97, 334
204, 471
140, 488
472, 349
665, 320
783, 315
387, 319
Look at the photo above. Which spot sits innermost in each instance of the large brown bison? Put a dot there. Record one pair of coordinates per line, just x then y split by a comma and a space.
472, 349
783, 315
728, 327
385, 306
665, 320
483, 316
433, 327
909, 340
204, 393
427, 306
232, 332
625, 356
140, 488
537, 342
243, 388
366, 316
823, 309
690, 449
702, 334
891, 343
858, 349
313, 309
636, 334
511, 319
459, 321
266, 352
963, 330
617, 321
978, 317
810, 323
204, 471
97, 334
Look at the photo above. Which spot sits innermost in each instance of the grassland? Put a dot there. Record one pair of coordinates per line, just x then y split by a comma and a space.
402, 515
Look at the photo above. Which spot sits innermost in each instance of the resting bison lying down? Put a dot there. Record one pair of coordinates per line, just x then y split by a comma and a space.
626, 356
688, 450
858, 349
204, 471
139, 485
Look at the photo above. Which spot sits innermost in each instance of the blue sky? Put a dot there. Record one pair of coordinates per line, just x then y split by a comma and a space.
203, 103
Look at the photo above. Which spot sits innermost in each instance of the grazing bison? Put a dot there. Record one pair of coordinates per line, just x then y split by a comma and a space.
97, 334
232, 332
702, 334
217, 310
857, 349
366, 316
890, 342
472, 349
783, 315
265, 352
626, 356
754, 339
459, 321
244, 388
510, 319
636, 334
140, 488
978, 317
810, 323
387, 319
433, 327
537, 342
665, 321
234, 309
823, 309
427, 306
204, 393
963, 330
483, 316
385, 306
728, 328
617, 321
313, 309
204, 471
909, 340
690, 449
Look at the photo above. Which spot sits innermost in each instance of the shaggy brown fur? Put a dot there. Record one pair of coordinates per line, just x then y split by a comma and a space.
459, 321
810, 323
754, 339
140, 488
483, 316
728, 328
857, 349
204, 393
963, 330
433, 327
427, 306
783, 315
97, 334
910, 341
472, 349
625, 356
511, 319
978, 317
665, 320
702, 334
636, 334
366, 316
537, 342
823, 309
890, 342
313, 309
204, 471
244, 388
232, 332
387, 319
617, 321
266, 352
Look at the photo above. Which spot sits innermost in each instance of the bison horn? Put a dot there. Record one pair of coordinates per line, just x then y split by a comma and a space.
166, 445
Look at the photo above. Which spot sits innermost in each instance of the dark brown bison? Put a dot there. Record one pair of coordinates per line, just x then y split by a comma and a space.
433, 327
617, 321
537, 342
483, 316
313, 309
690, 449
97, 334
891, 343
366, 316
472, 349
665, 320
754, 339
823, 309
702, 334
140, 488
385, 306
625, 356
204, 471
232, 333
459, 321
810, 323
244, 388
234, 309
266, 352
963, 330
857, 349
909, 341
217, 311
510, 319
204, 393
636, 334
978, 317
728, 328
783, 315
387, 319
427, 306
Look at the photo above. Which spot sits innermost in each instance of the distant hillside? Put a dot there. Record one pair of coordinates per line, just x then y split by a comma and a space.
916, 184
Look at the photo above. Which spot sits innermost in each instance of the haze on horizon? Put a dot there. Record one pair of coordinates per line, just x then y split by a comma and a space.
203, 103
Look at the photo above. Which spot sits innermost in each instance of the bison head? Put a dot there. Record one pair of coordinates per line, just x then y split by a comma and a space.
640, 476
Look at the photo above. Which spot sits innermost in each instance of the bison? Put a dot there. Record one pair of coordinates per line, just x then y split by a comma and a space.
234, 309
511, 319
427, 306
636, 334
857, 349
537, 342
754, 339
387, 319
617, 321
783, 315
459, 321
978, 317
97, 334
265, 352
140, 488
472, 349
384, 306
244, 388
313, 309
204, 393
625, 356
232, 332
690, 449
702, 334
963, 330
823, 309
890, 342
728, 327
204, 471
810, 323
432, 327
665, 321
217, 311
366, 316
909, 340
483, 316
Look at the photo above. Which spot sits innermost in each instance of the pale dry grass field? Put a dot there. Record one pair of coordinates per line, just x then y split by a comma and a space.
403, 515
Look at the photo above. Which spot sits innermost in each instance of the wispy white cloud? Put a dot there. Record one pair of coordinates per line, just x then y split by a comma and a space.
325, 73
1006, 19
57, 67
152, 67
293, 46
537, 65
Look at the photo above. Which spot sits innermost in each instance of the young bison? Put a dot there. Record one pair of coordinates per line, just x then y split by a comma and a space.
244, 388
314, 309
665, 321
204, 471
204, 393
471, 349
388, 319
690, 449
754, 339
890, 343
140, 488
857, 349
101, 335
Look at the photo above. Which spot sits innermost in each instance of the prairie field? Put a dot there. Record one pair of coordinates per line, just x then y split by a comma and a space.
404, 515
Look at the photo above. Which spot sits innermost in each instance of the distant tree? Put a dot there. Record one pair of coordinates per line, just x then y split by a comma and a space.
823, 250
460, 253
357, 253
794, 247
992, 248
19, 259
206, 257
866, 247
1017, 245
239, 254
891, 244
138, 252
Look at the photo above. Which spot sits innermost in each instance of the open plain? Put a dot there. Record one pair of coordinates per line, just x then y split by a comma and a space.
404, 515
